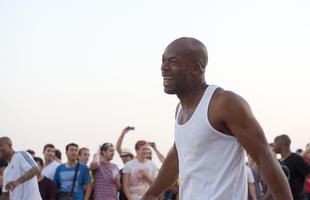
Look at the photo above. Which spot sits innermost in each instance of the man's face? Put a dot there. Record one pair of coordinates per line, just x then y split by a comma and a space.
5, 150
126, 158
39, 165
143, 151
149, 154
109, 153
72, 153
276, 147
49, 153
84, 157
175, 70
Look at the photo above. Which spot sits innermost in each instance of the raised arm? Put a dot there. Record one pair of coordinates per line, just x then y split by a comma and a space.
160, 156
168, 173
237, 116
119, 141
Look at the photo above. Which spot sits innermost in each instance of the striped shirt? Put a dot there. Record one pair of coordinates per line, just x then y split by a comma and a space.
21, 162
104, 185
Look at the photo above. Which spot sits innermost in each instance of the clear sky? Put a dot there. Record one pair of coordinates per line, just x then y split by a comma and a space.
80, 71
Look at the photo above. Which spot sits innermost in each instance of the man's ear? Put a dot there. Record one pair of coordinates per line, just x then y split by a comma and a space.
198, 69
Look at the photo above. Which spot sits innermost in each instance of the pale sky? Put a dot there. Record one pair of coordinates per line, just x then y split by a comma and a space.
80, 71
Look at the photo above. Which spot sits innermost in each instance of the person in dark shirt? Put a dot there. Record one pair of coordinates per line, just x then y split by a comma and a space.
297, 167
46, 186
3, 165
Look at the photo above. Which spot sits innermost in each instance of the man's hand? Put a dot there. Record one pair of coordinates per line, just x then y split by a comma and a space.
11, 185
127, 129
142, 173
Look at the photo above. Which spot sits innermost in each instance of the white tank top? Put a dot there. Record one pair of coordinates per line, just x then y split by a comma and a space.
211, 164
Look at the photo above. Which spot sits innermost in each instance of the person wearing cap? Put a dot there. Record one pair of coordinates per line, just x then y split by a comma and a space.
106, 174
126, 155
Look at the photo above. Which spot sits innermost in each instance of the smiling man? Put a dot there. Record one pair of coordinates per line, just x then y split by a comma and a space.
213, 127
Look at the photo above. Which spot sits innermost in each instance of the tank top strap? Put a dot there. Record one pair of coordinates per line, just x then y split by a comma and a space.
208, 95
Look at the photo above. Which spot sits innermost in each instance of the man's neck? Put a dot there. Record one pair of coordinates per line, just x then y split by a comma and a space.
141, 159
285, 154
192, 98
47, 162
105, 160
71, 163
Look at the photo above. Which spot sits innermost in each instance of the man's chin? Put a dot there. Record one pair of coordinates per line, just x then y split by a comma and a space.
169, 91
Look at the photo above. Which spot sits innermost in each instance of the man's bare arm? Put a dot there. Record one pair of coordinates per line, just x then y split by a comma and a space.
243, 125
119, 141
168, 173
126, 180
27, 176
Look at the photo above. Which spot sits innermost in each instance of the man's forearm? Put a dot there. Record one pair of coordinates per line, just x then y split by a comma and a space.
127, 193
87, 191
28, 175
167, 174
274, 177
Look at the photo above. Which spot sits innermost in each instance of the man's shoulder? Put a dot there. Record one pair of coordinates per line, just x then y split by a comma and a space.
229, 102
83, 166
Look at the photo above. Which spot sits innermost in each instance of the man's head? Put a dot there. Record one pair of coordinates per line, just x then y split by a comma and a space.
149, 154
107, 151
84, 155
6, 148
57, 155
126, 155
183, 65
39, 161
72, 151
49, 152
281, 143
142, 149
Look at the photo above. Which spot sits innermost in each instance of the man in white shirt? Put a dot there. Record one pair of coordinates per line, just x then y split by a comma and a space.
50, 164
139, 173
19, 181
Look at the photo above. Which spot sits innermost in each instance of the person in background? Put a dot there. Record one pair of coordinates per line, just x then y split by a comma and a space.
139, 173
159, 155
50, 164
306, 156
19, 180
31, 152
3, 164
57, 157
106, 174
298, 168
46, 186
64, 176
251, 186
83, 155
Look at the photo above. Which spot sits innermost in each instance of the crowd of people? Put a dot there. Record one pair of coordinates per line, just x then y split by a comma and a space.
24, 175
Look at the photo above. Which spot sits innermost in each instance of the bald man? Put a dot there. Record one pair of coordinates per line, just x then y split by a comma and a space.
213, 127
19, 181
298, 168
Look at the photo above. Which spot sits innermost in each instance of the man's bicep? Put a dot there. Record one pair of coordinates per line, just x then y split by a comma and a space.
243, 125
